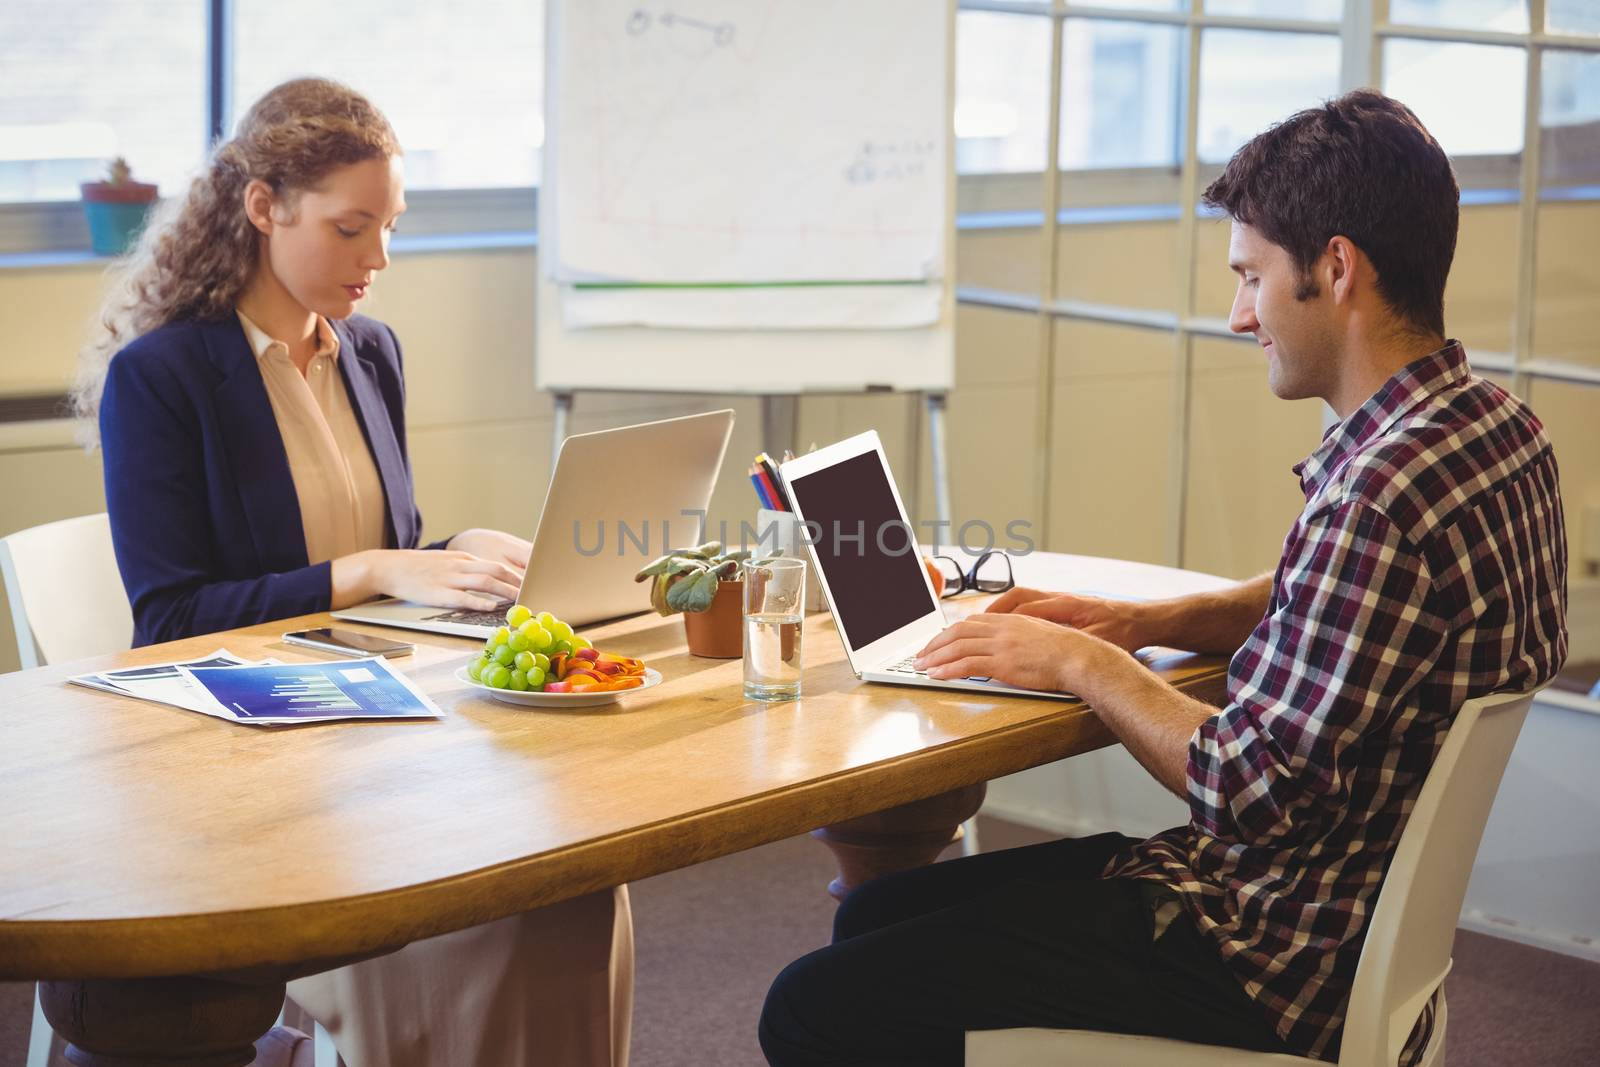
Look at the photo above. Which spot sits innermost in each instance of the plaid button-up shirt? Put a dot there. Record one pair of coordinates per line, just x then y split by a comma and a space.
1428, 567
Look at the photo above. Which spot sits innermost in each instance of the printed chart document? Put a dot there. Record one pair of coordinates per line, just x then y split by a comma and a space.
283, 693
161, 682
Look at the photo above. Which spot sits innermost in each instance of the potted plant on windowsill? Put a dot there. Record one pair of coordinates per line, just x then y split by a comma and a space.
705, 585
116, 208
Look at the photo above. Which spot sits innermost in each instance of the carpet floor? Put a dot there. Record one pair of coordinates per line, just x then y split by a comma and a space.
711, 937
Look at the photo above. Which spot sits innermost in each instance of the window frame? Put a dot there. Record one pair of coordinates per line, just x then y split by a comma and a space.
37, 233
1362, 31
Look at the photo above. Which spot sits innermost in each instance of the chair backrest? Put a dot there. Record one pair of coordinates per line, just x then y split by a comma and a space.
1407, 949
67, 598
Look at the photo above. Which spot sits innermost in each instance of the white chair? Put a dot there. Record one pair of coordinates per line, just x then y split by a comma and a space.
68, 602
1407, 951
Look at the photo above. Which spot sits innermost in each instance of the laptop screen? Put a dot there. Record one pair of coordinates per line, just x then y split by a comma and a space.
867, 554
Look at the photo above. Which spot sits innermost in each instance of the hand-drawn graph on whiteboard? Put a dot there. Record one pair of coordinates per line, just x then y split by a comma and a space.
746, 142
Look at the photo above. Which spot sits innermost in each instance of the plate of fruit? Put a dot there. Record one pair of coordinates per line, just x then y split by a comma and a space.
537, 661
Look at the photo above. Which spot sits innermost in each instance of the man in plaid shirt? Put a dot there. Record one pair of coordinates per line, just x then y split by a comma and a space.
1428, 567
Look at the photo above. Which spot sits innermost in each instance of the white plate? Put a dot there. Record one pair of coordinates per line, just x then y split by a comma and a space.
559, 700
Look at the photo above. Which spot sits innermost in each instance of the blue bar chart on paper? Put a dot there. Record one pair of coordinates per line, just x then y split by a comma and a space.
310, 692
297, 690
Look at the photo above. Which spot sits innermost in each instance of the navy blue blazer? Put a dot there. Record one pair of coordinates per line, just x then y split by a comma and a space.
204, 514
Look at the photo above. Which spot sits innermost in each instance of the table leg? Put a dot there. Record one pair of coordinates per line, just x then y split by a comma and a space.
911, 835
155, 1022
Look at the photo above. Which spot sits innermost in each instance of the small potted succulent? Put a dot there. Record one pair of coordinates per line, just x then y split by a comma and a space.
705, 585
116, 208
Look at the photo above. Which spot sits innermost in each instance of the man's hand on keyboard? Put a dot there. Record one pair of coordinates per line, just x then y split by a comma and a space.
1023, 651
1120, 622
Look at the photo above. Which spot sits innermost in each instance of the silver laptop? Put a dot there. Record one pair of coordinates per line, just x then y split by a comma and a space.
617, 499
872, 575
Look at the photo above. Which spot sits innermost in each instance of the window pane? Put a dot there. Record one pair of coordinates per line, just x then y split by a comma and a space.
1320, 10
462, 83
83, 82
1469, 95
1002, 92
1572, 16
1567, 271
1569, 118
1250, 79
1510, 16
1120, 94
1143, 5
1001, 117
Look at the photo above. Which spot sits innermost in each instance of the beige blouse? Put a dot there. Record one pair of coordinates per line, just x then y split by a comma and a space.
342, 507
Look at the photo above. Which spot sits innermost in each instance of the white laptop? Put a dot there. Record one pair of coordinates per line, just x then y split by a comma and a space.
617, 500
882, 603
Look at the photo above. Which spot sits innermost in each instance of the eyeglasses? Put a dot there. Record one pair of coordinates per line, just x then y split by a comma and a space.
990, 574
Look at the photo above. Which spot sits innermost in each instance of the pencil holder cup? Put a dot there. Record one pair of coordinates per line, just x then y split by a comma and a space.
781, 530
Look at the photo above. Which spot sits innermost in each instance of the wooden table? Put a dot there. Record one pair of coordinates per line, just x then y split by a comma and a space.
169, 871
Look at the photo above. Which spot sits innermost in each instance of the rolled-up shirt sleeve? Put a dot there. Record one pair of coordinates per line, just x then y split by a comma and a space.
1353, 627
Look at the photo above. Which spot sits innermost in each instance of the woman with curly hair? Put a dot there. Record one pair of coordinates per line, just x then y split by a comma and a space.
253, 436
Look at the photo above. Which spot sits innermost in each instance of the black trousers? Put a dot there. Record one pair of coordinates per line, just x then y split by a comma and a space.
1025, 937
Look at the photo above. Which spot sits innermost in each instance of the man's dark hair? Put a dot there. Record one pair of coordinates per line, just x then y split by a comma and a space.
1361, 166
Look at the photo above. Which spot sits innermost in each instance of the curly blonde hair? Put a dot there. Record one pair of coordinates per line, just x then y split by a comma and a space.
199, 251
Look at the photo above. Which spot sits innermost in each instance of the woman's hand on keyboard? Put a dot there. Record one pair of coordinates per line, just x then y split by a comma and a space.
449, 579
1118, 621
496, 546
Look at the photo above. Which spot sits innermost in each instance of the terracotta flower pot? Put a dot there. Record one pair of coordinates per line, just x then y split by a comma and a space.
127, 192
718, 632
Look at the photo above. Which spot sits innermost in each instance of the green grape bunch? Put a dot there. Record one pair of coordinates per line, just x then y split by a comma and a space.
517, 655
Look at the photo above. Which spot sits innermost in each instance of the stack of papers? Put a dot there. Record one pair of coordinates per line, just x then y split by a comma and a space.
270, 692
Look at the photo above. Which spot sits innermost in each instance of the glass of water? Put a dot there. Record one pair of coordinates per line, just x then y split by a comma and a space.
774, 613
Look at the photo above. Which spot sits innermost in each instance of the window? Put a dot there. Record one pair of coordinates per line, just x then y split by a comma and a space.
1510, 16
1002, 92
1144, 5
1569, 120
1321, 10
463, 88
1521, 294
1470, 96
1250, 79
1120, 94
1572, 16
83, 82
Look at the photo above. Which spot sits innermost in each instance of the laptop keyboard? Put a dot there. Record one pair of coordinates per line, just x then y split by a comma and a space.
908, 666
467, 617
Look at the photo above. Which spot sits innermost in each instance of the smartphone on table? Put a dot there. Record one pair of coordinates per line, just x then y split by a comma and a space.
348, 642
